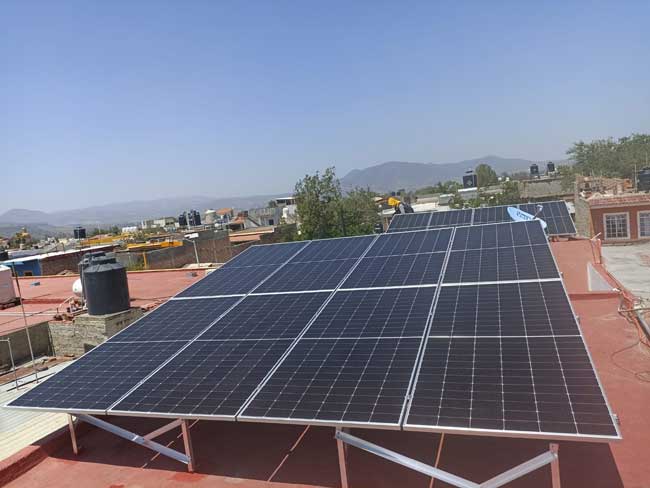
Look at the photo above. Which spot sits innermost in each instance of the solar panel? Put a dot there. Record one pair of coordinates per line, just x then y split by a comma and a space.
267, 317
413, 269
515, 309
266, 254
355, 381
319, 275
99, 378
175, 320
498, 235
555, 214
452, 218
412, 221
397, 312
409, 330
334, 249
229, 281
410, 243
500, 264
211, 378
516, 384
491, 215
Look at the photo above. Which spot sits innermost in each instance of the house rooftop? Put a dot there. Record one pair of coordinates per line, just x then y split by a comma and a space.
47, 255
253, 455
146, 288
622, 199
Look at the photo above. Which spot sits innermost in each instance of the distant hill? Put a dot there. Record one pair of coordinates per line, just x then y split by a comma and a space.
126, 212
395, 175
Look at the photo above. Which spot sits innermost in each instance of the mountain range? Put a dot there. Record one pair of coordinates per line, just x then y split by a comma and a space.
381, 178
395, 175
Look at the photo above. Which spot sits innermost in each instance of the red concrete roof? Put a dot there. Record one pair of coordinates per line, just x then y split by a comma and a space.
249, 455
145, 288
617, 200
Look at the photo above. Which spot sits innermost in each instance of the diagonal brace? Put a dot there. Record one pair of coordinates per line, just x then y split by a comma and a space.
500, 480
145, 441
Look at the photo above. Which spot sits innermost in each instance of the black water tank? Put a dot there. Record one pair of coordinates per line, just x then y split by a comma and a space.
550, 167
470, 181
79, 232
534, 170
4, 255
643, 180
106, 288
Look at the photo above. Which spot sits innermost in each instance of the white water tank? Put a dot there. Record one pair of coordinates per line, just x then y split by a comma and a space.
7, 292
77, 288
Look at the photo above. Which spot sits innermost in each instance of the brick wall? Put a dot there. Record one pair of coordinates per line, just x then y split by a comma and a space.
211, 246
87, 331
583, 218
597, 219
40, 337
55, 264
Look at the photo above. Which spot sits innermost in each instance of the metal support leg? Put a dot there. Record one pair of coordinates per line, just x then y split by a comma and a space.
555, 465
342, 450
73, 435
187, 442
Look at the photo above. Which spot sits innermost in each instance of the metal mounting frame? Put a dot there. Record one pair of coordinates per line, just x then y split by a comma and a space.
143, 440
344, 439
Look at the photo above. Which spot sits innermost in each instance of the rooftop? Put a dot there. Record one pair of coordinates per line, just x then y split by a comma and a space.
55, 254
255, 455
145, 287
608, 200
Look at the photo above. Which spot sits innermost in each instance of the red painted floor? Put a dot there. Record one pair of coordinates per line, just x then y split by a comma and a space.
255, 455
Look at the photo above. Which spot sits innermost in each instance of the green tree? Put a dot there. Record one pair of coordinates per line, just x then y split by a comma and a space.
359, 213
318, 202
325, 212
609, 157
509, 195
485, 175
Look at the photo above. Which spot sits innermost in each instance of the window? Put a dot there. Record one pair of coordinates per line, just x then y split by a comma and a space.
644, 224
616, 226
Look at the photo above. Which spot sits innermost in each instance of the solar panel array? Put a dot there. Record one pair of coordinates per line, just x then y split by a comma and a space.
444, 329
555, 214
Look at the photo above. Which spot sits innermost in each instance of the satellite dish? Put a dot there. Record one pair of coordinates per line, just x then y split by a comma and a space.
521, 216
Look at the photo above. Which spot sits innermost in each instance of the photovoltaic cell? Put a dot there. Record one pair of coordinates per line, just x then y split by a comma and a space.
318, 275
229, 281
374, 313
330, 380
265, 255
334, 249
412, 221
527, 384
490, 215
500, 264
498, 235
175, 320
267, 317
410, 243
207, 378
413, 269
519, 309
98, 379
452, 218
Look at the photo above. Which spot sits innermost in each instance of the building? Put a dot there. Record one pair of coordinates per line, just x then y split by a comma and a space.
52, 263
212, 246
545, 189
264, 217
164, 222
615, 218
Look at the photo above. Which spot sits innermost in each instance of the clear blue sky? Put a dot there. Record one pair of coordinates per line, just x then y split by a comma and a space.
122, 100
